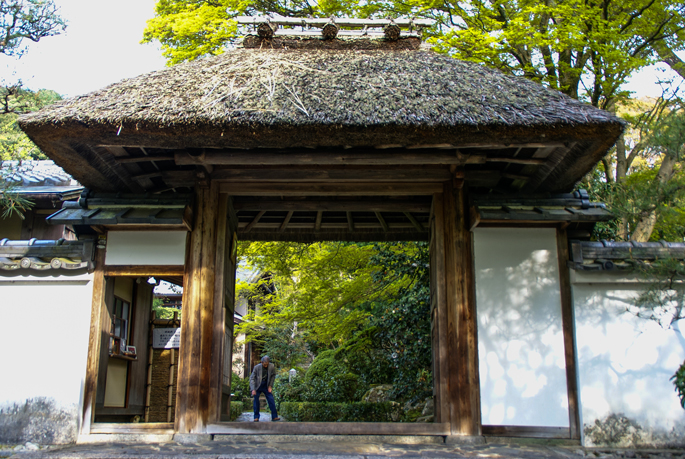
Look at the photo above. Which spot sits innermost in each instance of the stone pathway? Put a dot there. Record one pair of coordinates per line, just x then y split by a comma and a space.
264, 416
331, 447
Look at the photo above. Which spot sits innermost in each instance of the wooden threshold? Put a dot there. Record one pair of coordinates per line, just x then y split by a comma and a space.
156, 428
527, 431
328, 428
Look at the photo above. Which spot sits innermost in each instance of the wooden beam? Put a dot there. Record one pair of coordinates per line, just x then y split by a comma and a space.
530, 162
254, 221
148, 176
368, 157
332, 189
381, 220
319, 217
281, 174
284, 225
414, 221
568, 327
354, 205
143, 159
148, 270
350, 222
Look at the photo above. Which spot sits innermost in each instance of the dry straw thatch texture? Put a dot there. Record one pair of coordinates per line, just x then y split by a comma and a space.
255, 92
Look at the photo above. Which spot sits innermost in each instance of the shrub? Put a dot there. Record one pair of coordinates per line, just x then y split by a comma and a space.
240, 387
340, 412
237, 409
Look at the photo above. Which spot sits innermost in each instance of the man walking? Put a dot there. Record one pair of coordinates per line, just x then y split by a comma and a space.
262, 380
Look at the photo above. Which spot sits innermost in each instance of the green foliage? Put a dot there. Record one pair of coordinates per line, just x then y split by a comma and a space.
163, 312
237, 409
283, 344
679, 382
27, 20
240, 387
403, 325
340, 412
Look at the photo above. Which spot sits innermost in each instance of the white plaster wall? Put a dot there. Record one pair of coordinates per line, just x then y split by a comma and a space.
624, 364
44, 332
146, 248
520, 339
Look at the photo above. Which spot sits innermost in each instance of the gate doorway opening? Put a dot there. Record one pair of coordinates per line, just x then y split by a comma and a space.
347, 325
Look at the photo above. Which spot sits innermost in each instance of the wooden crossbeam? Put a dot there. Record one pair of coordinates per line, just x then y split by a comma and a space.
414, 221
284, 225
386, 174
255, 221
381, 220
143, 159
354, 205
332, 189
368, 157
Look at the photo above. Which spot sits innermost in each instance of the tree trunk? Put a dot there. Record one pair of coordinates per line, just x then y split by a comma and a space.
645, 225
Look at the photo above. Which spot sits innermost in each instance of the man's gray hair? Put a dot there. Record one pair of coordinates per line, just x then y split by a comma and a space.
265, 358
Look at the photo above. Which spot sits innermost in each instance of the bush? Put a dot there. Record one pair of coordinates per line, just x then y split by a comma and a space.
237, 409
240, 387
340, 412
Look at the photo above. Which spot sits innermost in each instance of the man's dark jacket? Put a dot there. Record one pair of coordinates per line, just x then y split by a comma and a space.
256, 376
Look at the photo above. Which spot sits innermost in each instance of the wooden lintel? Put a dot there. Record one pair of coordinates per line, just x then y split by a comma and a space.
284, 225
381, 220
139, 271
319, 217
350, 221
254, 221
368, 174
331, 189
354, 205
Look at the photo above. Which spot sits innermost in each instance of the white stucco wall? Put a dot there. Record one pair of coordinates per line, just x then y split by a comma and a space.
44, 331
624, 365
520, 339
146, 248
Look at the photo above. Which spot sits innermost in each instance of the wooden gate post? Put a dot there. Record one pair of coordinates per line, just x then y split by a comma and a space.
200, 353
462, 339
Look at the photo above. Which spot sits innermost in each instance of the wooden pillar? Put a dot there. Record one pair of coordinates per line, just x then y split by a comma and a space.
462, 339
438, 293
97, 315
568, 326
199, 375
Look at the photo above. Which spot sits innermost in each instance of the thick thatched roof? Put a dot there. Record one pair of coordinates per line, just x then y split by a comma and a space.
284, 99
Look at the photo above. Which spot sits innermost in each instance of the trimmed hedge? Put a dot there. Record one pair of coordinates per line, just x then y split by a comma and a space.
237, 409
341, 412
